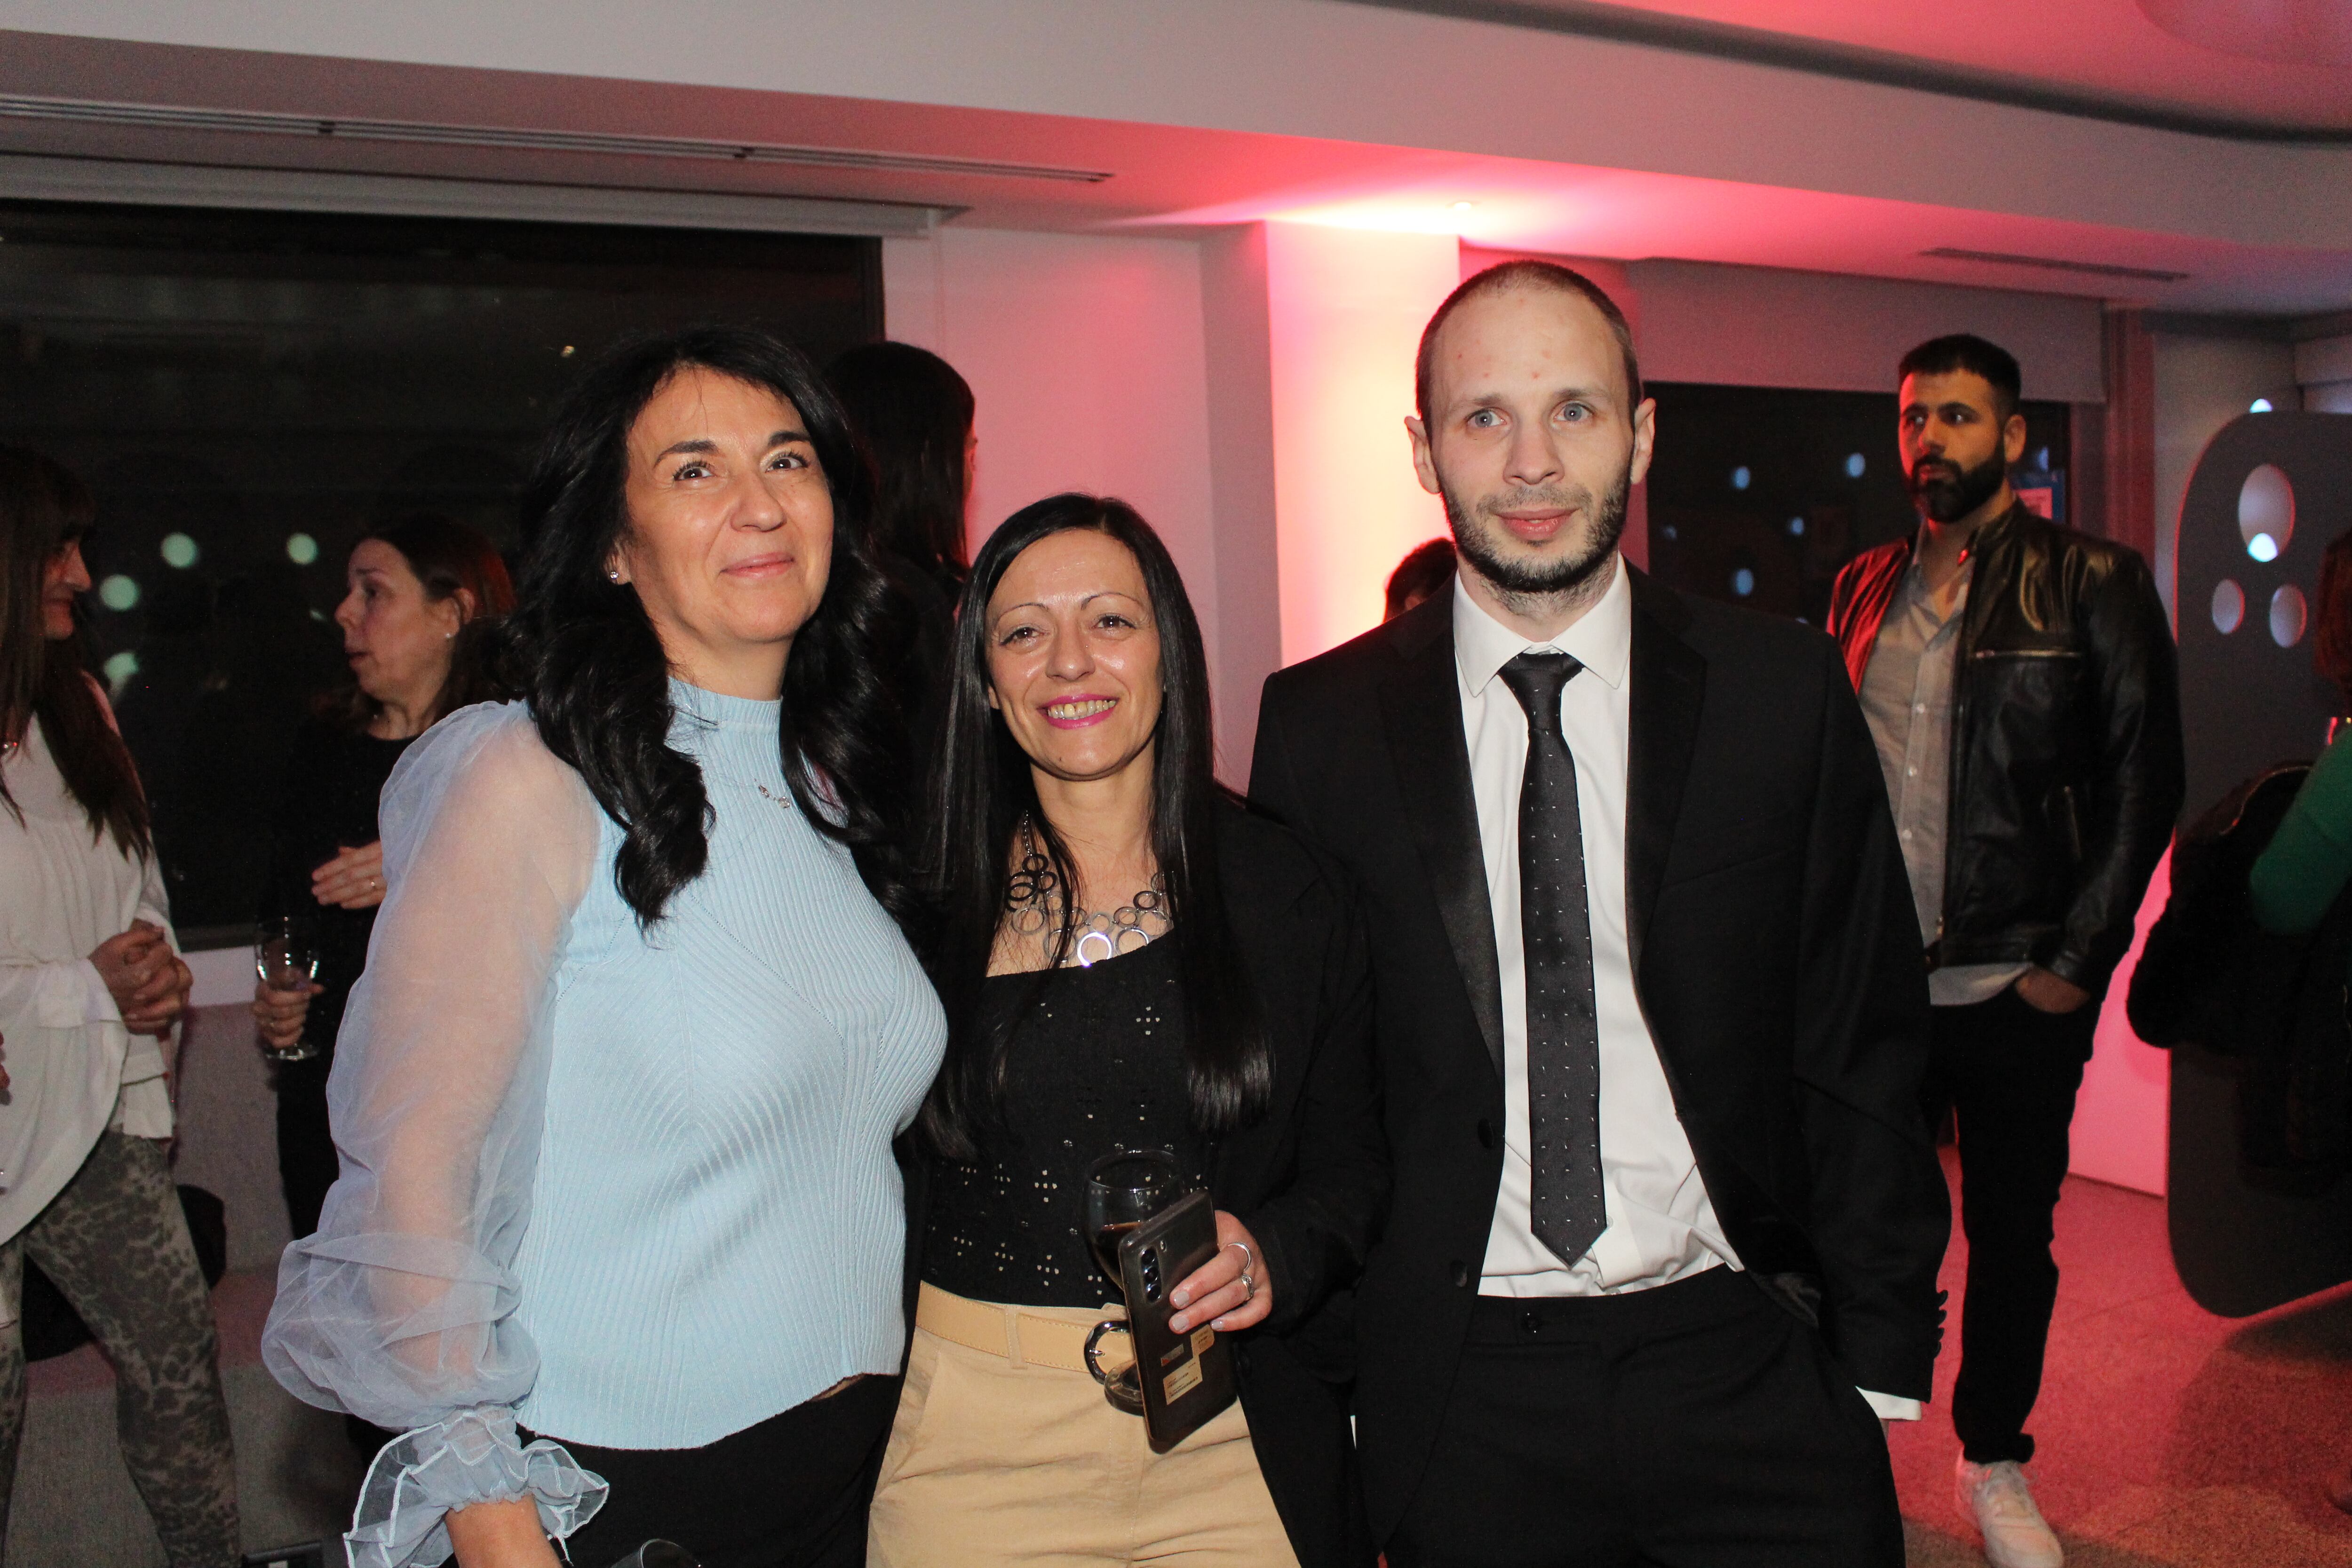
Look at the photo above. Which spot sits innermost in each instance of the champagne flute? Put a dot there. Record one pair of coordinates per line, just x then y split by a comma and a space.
1124, 1188
285, 957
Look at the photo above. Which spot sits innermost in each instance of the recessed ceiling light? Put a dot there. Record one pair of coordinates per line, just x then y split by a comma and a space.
1464, 206
2055, 264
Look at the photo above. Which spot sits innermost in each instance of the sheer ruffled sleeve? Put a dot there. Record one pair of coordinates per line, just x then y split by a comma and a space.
401, 1309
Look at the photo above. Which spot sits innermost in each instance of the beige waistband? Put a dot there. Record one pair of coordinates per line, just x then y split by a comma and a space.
1022, 1338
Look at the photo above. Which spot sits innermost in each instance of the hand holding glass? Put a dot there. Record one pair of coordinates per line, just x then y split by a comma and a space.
1123, 1190
285, 957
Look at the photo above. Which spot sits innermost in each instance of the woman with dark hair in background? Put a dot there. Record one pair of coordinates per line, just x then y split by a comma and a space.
91, 984
1215, 1004
619, 1236
423, 601
915, 414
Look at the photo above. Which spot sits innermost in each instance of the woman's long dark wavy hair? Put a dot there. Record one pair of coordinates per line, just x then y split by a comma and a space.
980, 792
914, 412
593, 666
445, 557
45, 510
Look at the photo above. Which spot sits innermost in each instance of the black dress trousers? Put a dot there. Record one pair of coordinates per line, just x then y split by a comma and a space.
791, 1492
1691, 1425
2009, 1074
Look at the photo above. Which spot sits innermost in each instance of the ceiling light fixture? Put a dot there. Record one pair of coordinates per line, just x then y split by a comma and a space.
2055, 264
312, 126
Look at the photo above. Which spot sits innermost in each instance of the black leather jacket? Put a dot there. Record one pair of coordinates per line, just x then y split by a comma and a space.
2066, 757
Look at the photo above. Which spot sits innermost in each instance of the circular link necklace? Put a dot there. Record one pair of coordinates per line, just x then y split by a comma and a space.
1038, 908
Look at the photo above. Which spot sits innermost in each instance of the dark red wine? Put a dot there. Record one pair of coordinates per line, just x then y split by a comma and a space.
1107, 1242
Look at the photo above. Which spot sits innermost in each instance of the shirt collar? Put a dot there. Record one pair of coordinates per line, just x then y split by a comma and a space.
1602, 640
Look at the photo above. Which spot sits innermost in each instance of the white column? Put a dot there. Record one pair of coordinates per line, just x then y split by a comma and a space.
1345, 310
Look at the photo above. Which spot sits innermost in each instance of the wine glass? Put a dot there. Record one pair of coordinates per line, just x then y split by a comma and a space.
285, 957
1124, 1188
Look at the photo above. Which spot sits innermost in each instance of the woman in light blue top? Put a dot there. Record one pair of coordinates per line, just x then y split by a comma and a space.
618, 1236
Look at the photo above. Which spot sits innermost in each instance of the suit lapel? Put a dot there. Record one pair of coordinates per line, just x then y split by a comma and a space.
1421, 709
1669, 689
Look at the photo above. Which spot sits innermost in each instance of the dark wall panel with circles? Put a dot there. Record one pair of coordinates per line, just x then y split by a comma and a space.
2269, 494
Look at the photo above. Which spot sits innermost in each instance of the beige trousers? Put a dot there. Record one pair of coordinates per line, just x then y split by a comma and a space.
994, 1462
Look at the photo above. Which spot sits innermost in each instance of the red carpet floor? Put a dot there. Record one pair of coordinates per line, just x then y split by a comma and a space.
2166, 1435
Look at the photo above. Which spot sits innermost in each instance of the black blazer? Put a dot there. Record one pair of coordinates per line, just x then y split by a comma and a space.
1310, 1178
1775, 952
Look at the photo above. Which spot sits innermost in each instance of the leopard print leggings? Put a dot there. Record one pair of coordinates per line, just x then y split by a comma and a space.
116, 1243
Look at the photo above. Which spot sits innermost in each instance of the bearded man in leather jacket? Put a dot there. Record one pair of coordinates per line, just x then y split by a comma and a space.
2020, 682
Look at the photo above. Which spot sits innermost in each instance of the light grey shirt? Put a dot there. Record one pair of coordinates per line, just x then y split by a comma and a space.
1906, 696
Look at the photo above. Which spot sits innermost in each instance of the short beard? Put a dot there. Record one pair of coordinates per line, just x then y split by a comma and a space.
1950, 499
1531, 586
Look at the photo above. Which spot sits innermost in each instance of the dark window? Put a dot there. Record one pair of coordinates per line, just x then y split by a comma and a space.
247, 391
1758, 495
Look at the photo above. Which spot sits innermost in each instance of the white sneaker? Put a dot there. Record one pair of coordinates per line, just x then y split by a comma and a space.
1997, 1497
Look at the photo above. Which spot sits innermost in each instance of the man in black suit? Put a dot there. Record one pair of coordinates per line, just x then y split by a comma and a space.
1651, 1014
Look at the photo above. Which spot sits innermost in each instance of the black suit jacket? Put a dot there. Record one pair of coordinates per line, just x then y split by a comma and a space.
1310, 1178
1775, 952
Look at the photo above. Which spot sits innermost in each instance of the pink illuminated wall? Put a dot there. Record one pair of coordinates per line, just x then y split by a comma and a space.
1345, 309
2122, 1114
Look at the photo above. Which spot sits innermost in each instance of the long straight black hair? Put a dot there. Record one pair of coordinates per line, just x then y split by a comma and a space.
593, 670
45, 510
982, 789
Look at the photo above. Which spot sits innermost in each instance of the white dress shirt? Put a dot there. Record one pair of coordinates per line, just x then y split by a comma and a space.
1662, 1226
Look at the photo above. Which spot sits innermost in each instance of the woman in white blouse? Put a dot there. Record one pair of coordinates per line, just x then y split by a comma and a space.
89, 989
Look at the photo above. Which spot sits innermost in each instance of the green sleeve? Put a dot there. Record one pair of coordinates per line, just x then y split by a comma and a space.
2310, 857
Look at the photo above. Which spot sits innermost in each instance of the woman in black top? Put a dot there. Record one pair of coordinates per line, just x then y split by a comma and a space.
424, 596
1129, 961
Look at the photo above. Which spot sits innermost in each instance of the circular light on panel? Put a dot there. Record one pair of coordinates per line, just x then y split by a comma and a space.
2266, 512
2229, 607
1795, 528
119, 593
2288, 614
1854, 465
1740, 478
301, 549
180, 550
1743, 582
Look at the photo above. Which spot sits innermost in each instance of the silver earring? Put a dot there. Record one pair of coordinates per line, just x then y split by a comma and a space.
615, 576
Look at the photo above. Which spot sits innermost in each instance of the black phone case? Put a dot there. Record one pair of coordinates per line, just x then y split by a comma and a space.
1187, 1379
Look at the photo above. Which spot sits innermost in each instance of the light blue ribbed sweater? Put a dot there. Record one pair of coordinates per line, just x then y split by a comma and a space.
716, 1227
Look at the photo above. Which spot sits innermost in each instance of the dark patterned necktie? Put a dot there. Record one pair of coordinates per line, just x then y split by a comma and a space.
1568, 1212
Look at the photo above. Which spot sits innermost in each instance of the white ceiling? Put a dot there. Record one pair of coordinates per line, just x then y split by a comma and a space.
1214, 111
2109, 55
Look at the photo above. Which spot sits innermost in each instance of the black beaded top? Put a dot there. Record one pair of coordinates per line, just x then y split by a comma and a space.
1097, 1065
